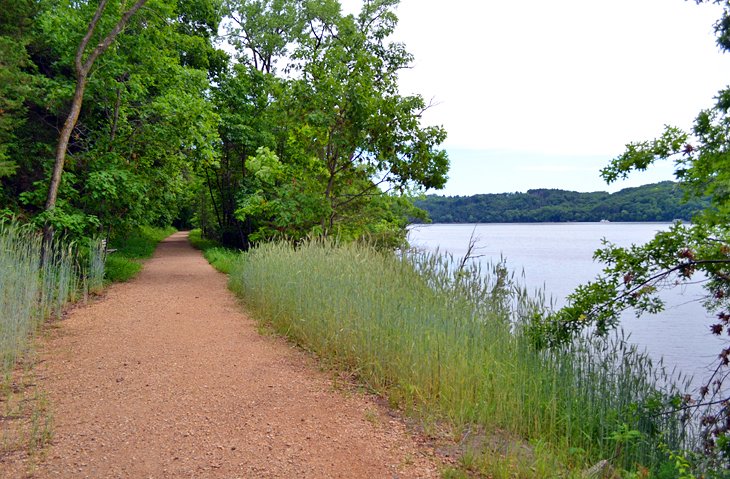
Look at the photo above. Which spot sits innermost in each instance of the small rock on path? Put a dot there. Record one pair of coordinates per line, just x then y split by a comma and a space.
167, 378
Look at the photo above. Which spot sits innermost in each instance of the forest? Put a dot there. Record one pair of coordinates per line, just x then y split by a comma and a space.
663, 201
119, 113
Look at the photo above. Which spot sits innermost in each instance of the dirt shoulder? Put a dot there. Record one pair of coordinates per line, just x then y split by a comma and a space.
166, 377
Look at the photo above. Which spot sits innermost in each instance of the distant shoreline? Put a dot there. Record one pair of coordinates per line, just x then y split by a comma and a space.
658, 202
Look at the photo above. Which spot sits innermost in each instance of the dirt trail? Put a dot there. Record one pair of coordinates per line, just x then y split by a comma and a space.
166, 378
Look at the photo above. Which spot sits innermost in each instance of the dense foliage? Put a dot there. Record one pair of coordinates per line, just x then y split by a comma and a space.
143, 125
315, 137
303, 133
658, 202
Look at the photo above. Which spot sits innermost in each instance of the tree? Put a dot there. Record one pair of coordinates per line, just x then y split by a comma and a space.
319, 90
699, 252
364, 134
83, 62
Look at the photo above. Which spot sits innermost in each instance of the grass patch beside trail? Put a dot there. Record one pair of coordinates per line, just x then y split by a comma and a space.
32, 290
124, 263
219, 257
444, 343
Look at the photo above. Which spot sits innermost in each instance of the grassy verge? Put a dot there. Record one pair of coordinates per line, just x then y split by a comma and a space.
124, 263
32, 290
219, 257
444, 343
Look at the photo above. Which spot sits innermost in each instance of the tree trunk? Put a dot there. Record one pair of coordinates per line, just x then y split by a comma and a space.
212, 200
83, 67
115, 119
65, 136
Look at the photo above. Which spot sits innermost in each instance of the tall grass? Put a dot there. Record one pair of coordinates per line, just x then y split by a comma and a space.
443, 339
32, 290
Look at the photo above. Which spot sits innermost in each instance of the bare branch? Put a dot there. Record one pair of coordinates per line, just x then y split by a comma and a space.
89, 32
109, 39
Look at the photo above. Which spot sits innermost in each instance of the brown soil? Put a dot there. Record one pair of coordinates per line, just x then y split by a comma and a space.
166, 377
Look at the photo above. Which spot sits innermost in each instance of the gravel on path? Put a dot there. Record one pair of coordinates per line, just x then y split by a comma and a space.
166, 377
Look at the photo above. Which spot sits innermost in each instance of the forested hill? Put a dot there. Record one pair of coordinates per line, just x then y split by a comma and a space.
655, 202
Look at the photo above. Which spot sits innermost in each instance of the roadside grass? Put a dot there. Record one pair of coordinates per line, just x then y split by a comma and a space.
31, 291
442, 339
26, 424
124, 263
219, 257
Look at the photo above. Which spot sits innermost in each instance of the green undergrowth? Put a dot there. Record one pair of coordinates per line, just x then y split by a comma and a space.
125, 263
219, 257
442, 340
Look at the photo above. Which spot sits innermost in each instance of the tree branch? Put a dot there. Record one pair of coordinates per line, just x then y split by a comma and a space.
89, 32
109, 39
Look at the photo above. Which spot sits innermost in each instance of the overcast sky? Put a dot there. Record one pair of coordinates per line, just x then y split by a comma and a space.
537, 93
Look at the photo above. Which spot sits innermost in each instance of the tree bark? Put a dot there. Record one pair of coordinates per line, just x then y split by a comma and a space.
83, 68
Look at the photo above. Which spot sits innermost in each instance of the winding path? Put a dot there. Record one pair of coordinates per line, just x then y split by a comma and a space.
165, 377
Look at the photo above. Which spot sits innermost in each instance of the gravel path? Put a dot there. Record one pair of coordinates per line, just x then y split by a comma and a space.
167, 378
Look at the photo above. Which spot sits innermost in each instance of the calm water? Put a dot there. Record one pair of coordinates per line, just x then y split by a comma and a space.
558, 256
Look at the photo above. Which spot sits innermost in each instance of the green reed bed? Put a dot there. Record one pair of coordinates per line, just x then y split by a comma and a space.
32, 290
444, 341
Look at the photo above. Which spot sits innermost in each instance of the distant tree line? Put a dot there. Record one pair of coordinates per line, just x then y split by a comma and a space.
656, 202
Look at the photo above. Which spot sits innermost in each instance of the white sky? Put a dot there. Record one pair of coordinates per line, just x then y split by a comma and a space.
537, 93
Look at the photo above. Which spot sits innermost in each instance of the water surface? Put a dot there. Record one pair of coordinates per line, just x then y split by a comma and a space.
558, 257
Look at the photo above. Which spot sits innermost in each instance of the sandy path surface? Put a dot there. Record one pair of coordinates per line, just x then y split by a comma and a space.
167, 378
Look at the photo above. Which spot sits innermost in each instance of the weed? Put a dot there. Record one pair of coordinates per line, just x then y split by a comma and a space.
443, 339
372, 417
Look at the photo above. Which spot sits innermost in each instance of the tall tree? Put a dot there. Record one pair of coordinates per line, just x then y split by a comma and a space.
83, 62
319, 90
365, 135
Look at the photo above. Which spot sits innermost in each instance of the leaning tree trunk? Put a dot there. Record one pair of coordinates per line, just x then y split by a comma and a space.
83, 67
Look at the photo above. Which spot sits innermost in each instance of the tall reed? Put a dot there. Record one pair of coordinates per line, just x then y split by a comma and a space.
443, 338
32, 290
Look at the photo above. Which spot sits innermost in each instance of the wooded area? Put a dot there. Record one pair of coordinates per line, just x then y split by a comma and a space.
296, 129
658, 202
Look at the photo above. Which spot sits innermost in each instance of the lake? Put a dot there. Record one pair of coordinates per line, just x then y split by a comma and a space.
557, 257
